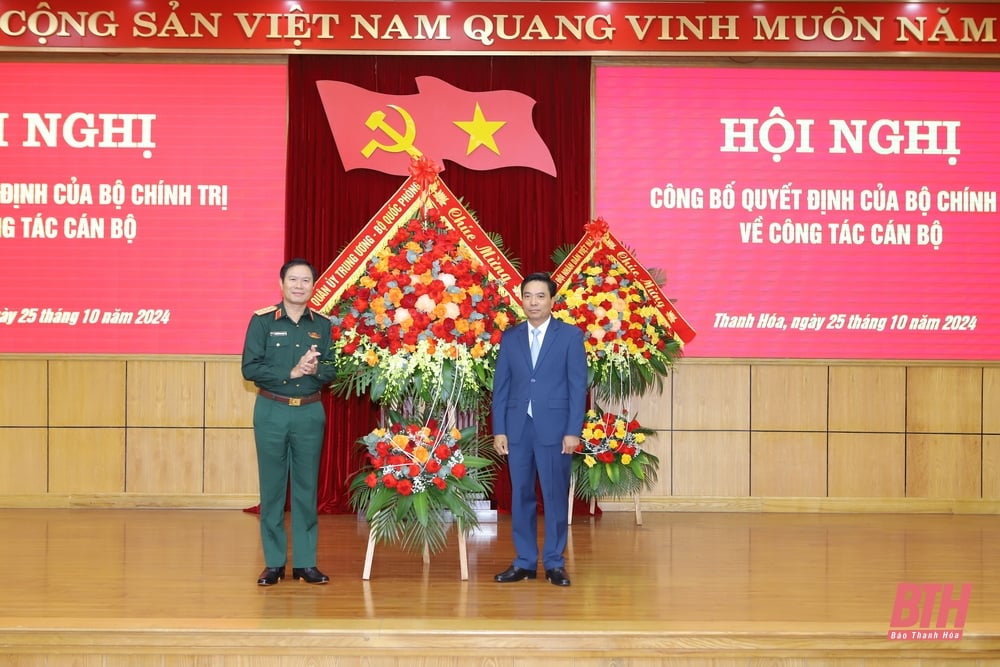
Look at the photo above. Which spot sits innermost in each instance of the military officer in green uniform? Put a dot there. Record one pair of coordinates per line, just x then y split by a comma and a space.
287, 355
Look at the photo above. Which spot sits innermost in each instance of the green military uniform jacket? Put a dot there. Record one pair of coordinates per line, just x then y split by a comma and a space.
275, 344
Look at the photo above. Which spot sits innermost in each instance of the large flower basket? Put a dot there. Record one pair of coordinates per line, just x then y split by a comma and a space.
416, 329
420, 479
610, 460
423, 323
630, 345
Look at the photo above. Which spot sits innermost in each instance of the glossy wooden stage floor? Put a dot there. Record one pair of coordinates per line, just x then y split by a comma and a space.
177, 587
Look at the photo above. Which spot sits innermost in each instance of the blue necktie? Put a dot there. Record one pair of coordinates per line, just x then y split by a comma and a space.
535, 345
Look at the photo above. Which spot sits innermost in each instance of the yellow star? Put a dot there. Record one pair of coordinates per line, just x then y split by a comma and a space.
481, 131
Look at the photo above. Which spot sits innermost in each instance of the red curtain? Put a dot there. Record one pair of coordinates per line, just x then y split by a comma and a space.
533, 212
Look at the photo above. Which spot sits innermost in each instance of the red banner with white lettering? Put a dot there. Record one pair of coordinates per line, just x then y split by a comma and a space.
491, 28
816, 214
141, 205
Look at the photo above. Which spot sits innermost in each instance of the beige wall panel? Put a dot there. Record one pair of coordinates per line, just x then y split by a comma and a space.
166, 393
228, 397
788, 398
991, 467
868, 399
24, 461
165, 460
943, 466
867, 465
652, 410
87, 393
712, 397
23, 393
659, 445
708, 463
991, 400
783, 464
230, 461
86, 460
944, 400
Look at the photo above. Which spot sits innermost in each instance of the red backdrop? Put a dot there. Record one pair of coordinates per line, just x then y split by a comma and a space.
534, 212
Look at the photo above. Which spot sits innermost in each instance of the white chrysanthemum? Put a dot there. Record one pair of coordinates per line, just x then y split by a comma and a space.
426, 304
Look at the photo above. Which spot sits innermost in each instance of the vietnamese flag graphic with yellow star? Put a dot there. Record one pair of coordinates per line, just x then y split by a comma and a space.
478, 130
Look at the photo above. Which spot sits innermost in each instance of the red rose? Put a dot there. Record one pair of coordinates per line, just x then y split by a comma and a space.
414, 470
442, 452
440, 483
388, 481
606, 457
371, 480
432, 466
405, 487
458, 470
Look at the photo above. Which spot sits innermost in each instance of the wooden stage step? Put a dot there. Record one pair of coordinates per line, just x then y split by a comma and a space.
98, 587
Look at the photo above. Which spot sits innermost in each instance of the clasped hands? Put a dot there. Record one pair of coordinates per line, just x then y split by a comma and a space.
308, 364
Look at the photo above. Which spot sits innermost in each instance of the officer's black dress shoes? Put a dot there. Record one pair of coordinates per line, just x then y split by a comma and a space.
310, 575
270, 576
557, 576
513, 573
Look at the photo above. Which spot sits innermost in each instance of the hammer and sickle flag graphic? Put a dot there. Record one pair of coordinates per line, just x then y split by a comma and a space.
478, 130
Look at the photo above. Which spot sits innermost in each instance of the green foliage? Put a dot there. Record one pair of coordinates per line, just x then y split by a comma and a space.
614, 480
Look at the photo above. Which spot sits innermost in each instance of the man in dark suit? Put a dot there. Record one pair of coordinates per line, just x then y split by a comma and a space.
539, 401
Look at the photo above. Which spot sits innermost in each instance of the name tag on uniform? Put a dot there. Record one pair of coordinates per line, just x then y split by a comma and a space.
278, 333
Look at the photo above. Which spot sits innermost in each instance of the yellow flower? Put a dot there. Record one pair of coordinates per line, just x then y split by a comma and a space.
371, 358
400, 440
640, 438
589, 460
626, 459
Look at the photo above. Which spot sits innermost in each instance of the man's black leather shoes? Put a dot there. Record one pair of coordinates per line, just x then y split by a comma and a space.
557, 576
310, 575
513, 573
271, 575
